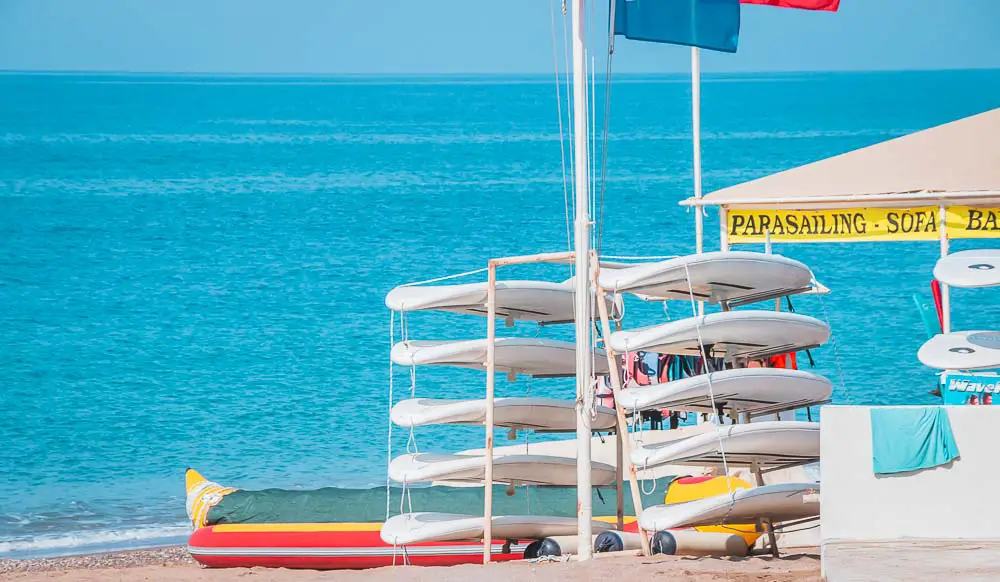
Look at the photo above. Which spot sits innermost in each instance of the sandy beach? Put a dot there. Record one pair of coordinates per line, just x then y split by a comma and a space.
174, 565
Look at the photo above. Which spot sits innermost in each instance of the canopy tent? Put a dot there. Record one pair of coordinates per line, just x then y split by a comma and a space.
937, 184
954, 163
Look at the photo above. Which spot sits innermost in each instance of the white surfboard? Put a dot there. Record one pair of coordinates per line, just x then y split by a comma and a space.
747, 334
741, 390
962, 350
528, 469
532, 356
781, 502
539, 301
539, 414
412, 528
770, 444
976, 268
721, 276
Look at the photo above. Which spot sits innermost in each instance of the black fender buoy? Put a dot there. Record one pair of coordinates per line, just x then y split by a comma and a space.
542, 547
663, 542
531, 552
608, 541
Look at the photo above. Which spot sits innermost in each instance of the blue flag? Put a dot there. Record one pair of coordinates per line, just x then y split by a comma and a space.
708, 24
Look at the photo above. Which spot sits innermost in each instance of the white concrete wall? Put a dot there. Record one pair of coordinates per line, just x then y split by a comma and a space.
956, 501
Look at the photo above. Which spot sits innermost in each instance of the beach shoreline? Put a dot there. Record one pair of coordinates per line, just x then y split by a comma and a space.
174, 564
118, 559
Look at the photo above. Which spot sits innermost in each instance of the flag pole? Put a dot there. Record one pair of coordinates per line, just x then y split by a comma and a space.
699, 223
699, 216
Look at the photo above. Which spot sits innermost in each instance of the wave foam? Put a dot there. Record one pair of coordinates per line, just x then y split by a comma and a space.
117, 539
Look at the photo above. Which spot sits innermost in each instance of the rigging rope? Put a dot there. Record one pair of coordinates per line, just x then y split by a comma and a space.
605, 134
445, 278
591, 148
569, 110
836, 350
411, 441
711, 393
562, 141
388, 483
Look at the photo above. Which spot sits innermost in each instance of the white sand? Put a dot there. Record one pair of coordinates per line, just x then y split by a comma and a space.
173, 565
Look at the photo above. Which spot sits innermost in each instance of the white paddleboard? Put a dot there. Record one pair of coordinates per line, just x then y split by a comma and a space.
412, 528
962, 350
532, 356
528, 469
539, 301
540, 414
781, 502
732, 276
976, 268
770, 444
740, 390
747, 334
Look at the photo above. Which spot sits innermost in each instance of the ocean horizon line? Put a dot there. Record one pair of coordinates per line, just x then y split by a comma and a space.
418, 75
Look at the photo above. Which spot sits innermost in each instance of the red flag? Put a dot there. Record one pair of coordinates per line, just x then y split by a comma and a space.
829, 5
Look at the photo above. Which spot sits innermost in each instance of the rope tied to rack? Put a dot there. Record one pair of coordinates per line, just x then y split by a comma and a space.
388, 481
711, 390
444, 278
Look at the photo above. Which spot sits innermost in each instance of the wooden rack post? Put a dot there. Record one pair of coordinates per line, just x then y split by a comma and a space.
491, 336
616, 388
491, 312
619, 475
768, 526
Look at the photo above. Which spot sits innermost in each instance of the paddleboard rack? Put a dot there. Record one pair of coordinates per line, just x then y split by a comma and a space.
725, 278
471, 300
965, 356
702, 274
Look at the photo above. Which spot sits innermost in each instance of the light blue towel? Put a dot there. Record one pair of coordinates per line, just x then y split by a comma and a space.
911, 438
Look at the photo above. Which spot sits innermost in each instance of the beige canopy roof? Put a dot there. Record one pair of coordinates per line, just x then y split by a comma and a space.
954, 163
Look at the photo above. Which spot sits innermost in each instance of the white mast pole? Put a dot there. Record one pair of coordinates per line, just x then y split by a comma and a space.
491, 368
696, 139
699, 216
584, 392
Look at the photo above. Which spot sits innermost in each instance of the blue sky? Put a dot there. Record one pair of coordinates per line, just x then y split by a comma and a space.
467, 36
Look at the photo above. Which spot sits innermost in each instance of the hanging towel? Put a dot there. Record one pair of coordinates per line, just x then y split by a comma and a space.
911, 438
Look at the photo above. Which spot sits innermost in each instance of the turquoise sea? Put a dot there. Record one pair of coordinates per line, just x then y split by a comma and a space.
192, 268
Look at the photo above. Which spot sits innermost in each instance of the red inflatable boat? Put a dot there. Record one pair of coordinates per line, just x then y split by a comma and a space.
328, 546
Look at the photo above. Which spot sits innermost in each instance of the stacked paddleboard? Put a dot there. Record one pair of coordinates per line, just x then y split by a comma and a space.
964, 355
536, 301
737, 393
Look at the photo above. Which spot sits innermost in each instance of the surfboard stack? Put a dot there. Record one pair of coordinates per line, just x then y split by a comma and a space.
967, 351
536, 301
736, 394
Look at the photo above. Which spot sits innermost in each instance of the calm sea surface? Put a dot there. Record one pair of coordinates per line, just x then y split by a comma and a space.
192, 270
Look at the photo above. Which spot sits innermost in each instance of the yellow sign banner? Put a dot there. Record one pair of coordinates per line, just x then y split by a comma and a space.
861, 224
972, 222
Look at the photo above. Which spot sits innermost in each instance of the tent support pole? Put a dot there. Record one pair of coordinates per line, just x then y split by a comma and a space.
491, 336
616, 388
945, 292
723, 228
